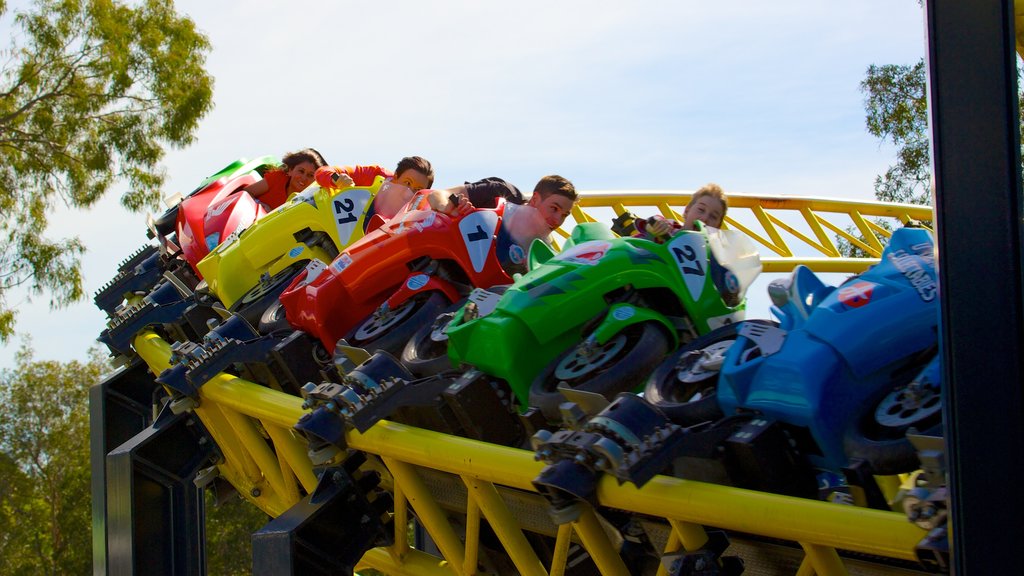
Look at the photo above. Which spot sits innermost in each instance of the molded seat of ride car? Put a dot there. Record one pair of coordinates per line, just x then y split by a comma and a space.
798, 295
587, 231
541, 252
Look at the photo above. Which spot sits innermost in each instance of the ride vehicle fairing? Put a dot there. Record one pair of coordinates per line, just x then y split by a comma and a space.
156, 285
315, 224
602, 313
401, 275
811, 407
187, 231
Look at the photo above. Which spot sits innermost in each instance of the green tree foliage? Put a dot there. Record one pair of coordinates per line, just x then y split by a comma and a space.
896, 106
230, 524
897, 111
91, 93
44, 465
45, 490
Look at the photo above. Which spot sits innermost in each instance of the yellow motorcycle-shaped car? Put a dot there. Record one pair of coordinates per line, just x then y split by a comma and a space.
253, 267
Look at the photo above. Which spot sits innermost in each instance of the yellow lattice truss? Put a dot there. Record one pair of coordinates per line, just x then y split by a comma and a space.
268, 463
790, 230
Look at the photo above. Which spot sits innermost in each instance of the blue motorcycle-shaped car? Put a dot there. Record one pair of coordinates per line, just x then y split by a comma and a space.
814, 405
848, 369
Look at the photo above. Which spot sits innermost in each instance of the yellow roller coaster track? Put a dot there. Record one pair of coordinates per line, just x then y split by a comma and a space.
434, 475
791, 229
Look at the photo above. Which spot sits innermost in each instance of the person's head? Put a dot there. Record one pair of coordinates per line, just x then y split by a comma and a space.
301, 168
553, 197
709, 205
415, 172
412, 174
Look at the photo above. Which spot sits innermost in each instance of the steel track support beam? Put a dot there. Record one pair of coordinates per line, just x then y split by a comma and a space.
155, 512
119, 407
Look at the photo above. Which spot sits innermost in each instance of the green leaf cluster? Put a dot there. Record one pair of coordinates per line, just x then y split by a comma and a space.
44, 465
92, 92
897, 111
896, 107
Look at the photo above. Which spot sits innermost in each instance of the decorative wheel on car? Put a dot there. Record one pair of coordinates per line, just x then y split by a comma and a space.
426, 353
255, 303
880, 435
390, 329
684, 385
619, 365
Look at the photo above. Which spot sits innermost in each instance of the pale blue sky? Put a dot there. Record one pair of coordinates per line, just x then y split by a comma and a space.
761, 97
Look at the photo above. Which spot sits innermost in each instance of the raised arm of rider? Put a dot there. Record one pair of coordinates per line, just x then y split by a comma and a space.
342, 176
441, 201
484, 193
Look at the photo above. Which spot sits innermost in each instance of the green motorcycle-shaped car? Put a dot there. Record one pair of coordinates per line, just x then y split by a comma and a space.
602, 313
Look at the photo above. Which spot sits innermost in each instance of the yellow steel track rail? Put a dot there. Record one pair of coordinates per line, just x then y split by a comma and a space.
774, 223
269, 469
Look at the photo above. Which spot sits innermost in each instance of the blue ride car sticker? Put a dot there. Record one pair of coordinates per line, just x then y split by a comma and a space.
416, 282
691, 256
588, 253
910, 265
477, 230
623, 313
349, 206
294, 252
516, 253
340, 263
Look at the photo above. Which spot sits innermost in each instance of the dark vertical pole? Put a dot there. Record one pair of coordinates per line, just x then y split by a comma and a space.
120, 407
155, 512
976, 163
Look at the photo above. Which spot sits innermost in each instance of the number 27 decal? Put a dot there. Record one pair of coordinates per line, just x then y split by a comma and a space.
691, 257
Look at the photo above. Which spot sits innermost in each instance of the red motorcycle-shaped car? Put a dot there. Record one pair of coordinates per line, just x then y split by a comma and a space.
401, 275
187, 232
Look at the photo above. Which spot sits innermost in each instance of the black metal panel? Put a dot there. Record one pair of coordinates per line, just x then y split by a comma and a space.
119, 408
328, 531
155, 513
976, 156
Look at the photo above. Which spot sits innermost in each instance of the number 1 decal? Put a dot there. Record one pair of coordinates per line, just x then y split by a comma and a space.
478, 235
478, 230
691, 256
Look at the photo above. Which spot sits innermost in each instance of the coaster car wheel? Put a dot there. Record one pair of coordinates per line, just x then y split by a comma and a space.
880, 435
390, 330
260, 298
620, 365
684, 385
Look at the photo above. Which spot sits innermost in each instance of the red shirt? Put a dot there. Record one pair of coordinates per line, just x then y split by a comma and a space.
277, 188
361, 175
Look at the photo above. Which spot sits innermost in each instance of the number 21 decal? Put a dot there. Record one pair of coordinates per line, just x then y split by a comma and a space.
691, 257
348, 207
344, 208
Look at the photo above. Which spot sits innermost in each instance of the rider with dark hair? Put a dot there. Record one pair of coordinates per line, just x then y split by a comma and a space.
296, 172
412, 174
